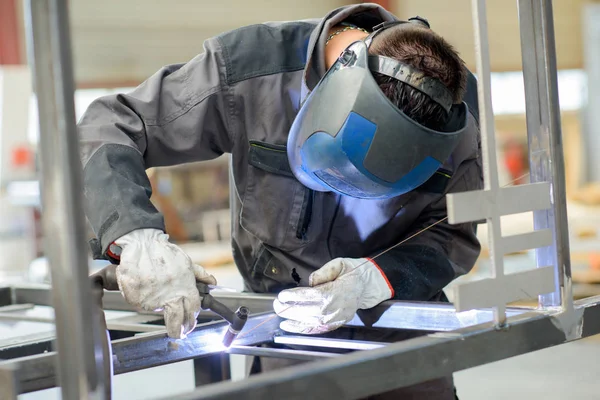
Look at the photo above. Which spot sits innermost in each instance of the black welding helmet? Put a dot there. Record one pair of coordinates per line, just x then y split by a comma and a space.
349, 138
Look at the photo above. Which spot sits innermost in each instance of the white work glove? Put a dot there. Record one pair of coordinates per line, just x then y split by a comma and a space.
336, 291
156, 275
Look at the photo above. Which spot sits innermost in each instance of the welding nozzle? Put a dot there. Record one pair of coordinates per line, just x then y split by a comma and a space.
236, 326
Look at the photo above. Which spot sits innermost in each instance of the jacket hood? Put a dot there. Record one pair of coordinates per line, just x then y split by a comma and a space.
366, 15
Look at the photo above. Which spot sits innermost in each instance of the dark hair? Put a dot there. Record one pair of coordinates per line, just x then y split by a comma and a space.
420, 48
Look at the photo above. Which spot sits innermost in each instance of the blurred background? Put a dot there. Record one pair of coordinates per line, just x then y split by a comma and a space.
117, 44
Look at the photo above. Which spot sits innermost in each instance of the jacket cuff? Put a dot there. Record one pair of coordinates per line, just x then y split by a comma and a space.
390, 286
100, 247
416, 272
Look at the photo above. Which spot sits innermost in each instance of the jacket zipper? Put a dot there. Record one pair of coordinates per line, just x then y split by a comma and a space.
305, 215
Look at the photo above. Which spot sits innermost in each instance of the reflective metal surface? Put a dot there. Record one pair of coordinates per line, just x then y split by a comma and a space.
40, 294
314, 341
361, 374
546, 160
424, 316
280, 353
150, 350
78, 341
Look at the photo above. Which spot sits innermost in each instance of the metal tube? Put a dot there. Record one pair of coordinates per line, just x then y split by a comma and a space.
148, 351
422, 316
79, 361
329, 343
401, 364
544, 135
488, 140
9, 383
301, 355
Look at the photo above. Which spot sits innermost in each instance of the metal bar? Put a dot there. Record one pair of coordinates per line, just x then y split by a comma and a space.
280, 353
9, 386
26, 340
27, 318
121, 326
425, 316
79, 346
590, 162
16, 307
365, 373
313, 341
546, 160
149, 350
488, 140
40, 295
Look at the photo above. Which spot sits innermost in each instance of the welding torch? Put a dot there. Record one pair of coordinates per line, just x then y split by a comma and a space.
236, 319
107, 279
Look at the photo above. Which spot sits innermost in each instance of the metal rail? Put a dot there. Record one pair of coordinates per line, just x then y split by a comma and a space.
546, 160
80, 359
361, 374
150, 350
144, 351
39, 294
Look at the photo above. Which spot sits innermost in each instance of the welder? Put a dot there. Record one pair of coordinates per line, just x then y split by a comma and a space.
345, 135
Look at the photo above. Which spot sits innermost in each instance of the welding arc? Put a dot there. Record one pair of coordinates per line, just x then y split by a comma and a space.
374, 257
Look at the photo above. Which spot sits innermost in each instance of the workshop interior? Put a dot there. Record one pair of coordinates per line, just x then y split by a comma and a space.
522, 323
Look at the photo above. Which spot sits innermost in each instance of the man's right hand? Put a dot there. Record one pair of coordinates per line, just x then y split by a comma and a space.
156, 275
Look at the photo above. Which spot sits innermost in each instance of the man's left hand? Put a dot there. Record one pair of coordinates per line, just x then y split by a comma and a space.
336, 291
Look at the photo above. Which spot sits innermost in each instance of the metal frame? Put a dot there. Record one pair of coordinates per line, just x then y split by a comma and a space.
79, 339
349, 369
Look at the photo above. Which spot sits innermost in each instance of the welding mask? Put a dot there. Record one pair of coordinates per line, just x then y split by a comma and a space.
349, 138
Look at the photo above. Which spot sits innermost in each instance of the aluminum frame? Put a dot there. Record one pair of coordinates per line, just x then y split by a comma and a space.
458, 340
365, 373
79, 340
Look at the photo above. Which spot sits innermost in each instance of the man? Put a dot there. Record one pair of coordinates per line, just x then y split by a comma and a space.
329, 167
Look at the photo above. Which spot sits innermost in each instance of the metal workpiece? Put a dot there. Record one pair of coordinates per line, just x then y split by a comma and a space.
9, 385
327, 343
154, 349
301, 355
546, 159
78, 343
105, 279
488, 142
401, 364
150, 350
424, 316
421, 316
39, 294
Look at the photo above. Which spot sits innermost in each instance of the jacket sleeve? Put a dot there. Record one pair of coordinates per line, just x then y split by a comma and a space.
176, 116
421, 267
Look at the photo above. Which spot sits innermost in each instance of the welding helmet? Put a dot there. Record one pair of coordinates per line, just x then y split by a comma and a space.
349, 138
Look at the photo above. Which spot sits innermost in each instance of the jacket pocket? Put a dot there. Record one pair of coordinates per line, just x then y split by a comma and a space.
268, 274
277, 208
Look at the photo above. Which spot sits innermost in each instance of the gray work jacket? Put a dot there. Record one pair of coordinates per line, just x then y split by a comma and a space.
240, 96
